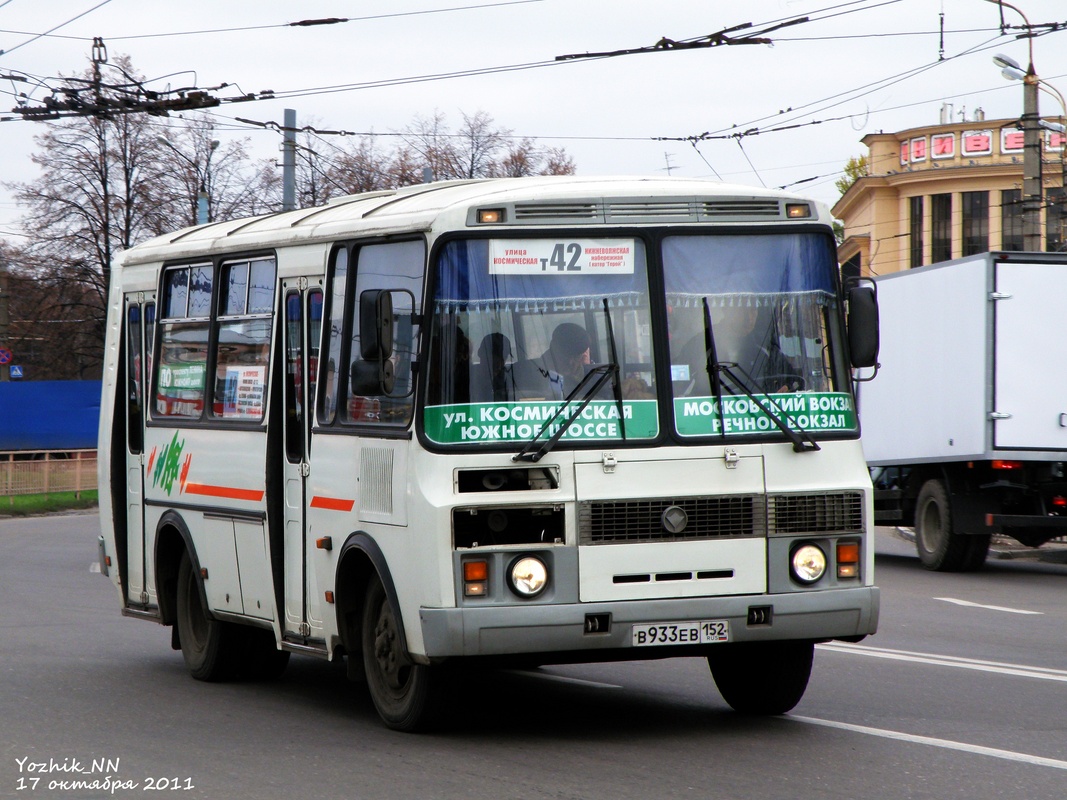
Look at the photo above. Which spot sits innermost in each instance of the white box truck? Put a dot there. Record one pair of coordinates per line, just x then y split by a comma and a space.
965, 424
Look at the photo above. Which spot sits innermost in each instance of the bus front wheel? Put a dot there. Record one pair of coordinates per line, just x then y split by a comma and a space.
401, 690
762, 677
208, 646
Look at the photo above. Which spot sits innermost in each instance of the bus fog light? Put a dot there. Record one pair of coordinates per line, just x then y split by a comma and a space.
528, 576
808, 563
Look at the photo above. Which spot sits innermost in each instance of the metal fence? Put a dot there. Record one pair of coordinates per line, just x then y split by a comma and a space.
47, 472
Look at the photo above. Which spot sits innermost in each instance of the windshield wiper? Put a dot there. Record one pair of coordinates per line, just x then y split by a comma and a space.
602, 372
711, 363
616, 379
801, 439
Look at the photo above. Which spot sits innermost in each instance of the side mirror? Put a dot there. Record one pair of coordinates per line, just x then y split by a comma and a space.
863, 324
372, 373
375, 324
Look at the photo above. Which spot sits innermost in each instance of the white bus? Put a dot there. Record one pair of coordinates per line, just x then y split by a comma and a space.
545, 420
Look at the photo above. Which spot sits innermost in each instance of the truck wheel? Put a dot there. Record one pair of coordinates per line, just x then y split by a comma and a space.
209, 647
940, 547
401, 690
762, 677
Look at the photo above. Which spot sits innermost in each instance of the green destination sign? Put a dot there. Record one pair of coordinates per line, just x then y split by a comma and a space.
520, 422
815, 412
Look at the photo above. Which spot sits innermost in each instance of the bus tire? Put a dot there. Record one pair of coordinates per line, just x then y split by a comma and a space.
764, 678
401, 690
939, 545
208, 646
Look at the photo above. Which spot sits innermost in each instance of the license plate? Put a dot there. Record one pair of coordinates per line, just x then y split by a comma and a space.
707, 631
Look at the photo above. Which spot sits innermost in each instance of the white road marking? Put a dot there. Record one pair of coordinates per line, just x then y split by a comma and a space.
998, 667
947, 744
969, 604
94, 566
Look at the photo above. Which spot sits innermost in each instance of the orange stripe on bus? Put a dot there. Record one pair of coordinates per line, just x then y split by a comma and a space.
332, 503
229, 492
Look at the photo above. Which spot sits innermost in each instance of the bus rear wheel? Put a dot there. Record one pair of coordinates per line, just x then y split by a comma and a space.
763, 678
401, 690
208, 646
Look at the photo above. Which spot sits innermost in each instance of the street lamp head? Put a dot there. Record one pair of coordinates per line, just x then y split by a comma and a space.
1004, 62
1013, 74
214, 144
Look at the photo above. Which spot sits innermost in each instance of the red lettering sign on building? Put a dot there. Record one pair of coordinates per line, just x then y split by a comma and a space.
1012, 140
977, 143
943, 145
918, 149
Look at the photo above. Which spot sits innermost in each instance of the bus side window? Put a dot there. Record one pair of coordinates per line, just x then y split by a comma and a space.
398, 267
334, 334
242, 344
134, 387
182, 370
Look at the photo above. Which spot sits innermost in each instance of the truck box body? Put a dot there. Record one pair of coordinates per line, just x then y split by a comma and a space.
973, 362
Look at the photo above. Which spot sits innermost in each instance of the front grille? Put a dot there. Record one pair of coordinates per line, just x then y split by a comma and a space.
815, 513
629, 521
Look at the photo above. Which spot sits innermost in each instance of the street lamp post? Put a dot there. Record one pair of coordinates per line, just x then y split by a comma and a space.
202, 202
1032, 179
1033, 125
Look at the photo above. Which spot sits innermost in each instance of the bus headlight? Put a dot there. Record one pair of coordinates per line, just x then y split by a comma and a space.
528, 576
808, 563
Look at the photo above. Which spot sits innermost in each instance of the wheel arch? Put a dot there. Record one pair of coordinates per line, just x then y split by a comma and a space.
360, 560
172, 539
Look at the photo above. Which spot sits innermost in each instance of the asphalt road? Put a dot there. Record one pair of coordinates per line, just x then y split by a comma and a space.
960, 695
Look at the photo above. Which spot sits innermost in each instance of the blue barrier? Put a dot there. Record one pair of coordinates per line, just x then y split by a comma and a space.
49, 415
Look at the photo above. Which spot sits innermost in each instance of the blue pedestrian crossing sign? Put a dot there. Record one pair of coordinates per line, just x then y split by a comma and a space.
16, 372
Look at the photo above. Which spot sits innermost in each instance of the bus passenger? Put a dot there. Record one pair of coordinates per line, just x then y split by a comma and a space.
560, 368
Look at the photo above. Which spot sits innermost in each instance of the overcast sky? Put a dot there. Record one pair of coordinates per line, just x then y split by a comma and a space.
853, 68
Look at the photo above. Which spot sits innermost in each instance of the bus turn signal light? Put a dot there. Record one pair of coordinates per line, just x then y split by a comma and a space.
848, 559
475, 578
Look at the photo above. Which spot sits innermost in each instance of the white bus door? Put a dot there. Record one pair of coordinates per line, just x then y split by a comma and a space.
302, 304
140, 319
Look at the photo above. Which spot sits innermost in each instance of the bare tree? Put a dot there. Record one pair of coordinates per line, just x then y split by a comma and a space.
480, 150
200, 170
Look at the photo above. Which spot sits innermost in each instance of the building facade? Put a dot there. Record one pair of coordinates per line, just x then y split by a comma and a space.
946, 191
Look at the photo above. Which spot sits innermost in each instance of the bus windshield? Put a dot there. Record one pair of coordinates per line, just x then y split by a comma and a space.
756, 312
518, 323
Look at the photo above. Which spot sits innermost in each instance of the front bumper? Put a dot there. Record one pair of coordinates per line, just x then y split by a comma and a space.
518, 629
